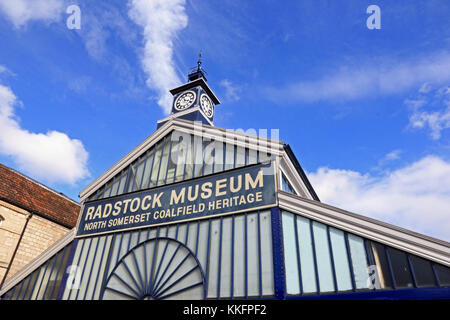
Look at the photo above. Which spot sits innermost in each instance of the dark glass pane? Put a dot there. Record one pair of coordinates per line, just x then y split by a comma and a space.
400, 267
423, 272
443, 274
384, 273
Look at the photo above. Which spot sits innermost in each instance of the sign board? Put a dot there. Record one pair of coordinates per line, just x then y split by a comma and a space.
233, 191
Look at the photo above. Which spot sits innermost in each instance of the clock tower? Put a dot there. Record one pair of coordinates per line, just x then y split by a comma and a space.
193, 100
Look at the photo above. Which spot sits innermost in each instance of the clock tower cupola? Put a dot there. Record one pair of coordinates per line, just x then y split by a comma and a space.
193, 100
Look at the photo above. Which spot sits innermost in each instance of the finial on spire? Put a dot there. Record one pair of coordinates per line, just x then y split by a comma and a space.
197, 72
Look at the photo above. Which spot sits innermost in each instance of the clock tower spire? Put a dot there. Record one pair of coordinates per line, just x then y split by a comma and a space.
194, 100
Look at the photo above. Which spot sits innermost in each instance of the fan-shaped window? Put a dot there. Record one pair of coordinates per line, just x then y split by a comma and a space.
159, 268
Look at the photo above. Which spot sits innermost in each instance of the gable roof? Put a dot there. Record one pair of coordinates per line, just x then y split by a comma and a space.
32, 196
272, 146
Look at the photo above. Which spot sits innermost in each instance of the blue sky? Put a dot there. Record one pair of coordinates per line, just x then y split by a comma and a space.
367, 112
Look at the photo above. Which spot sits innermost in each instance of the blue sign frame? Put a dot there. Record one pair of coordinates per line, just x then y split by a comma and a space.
238, 190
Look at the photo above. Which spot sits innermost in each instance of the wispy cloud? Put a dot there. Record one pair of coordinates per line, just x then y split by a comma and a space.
368, 80
232, 91
430, 109
161, 21
416, 196
20, 12
52, 156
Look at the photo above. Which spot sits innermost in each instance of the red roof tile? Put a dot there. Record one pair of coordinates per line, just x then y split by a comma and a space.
24, 192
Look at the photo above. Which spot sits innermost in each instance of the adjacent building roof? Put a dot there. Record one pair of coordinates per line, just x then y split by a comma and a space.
30, 195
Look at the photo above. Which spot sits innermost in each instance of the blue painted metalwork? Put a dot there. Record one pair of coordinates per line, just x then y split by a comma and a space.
70, 258
220, 259
388, 258
436, 278
232, 257
92, 266
332, 260
54, 258
411, 269
151, 166
314, 255
63, 253
42, 279
153, 260
108, 262
278, 254
245, 257
350, 263
207, 254
297, 246
259, 255
85, 262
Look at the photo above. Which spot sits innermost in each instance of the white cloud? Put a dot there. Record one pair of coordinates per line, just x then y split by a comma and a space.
416, 197
161, 20
430, 109
368, 80
232, 92
19, 12
51, 157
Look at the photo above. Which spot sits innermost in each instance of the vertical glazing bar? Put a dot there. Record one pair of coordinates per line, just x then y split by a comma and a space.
55, 257
99, 266
388, 258
42, 279
84, 266
186, 151
63, 253
259, 255
412, 271
297, 246
207, 255
73, 249
169, 158
314, 255
198, 233
153, 261
92, 267
147, 154
232, 257
187, 234
163, 146
220, 257
20, 289
155, 149
108, 263
35, 277
127, 180
436, 278
278, 254
246, 256
332, 260
119, 248
28, 279
350, 263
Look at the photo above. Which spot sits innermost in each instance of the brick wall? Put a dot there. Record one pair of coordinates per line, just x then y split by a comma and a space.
39, 235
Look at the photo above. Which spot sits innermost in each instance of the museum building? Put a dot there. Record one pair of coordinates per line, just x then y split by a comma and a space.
200, 212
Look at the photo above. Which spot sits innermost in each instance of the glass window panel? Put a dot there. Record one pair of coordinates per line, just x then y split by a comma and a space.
132, 177
324, 268
306, 255
123, 180
115, 186
252, 255
164, 162
266, 253
156, 163
213, 267
443, 274
107, 189
286, 186
86, 265
384, 274
400, 268
229, 156
422, 271
340, 258
252, 156
208, 147
173, 157
184, 145
290, 254
140, 172
147, 168
240, 157
225, 270
196, 157
239, 256
359, 261
218, 156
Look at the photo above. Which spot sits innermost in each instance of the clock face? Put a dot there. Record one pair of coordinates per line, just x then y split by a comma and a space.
207, 105
185, 100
